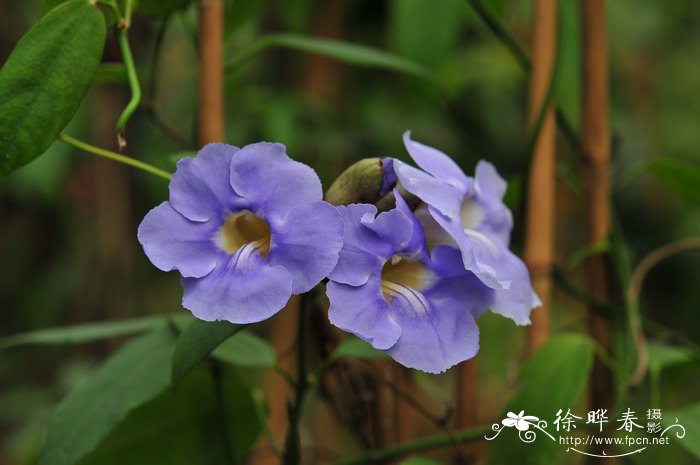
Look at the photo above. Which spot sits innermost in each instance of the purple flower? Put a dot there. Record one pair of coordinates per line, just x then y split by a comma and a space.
245, 228
468, 213
387, 290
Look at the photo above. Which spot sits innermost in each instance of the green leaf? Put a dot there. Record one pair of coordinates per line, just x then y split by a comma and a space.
184, 427
426, 31
239, 12
246, 350
79, 334
196, 342
552, 379
662, 355
137, 373
45, 78
354, 347
48, 5
160, 8
689, 418
353, 54
678, 175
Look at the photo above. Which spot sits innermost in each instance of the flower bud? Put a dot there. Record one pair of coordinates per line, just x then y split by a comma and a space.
366, 181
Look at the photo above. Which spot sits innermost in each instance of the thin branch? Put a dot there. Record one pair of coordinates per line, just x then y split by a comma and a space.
122, 37
292, 448
222, 411
634, 291
155, 117
441, 421
524, 62
419, 445
575, 292
114, 156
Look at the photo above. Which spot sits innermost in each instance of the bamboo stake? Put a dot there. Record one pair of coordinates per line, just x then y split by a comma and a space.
406, 416
324, 76
211, 129
465, 408
211, 71
596, 158
539, 224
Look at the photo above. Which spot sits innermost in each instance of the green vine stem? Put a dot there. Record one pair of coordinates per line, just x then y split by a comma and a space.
567, 128
292, 447
633, 292
419, 445
114, 156
123, 39
215, 370
111, 4
128, 8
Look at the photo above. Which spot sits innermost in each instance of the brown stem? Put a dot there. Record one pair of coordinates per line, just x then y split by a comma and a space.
539, 224
211, 71
596, 157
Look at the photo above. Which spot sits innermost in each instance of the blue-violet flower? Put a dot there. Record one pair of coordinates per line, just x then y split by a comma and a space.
245, 228
389, 291
469, 213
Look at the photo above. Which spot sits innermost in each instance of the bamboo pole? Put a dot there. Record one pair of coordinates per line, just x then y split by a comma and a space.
211, 129
539, 224
465, 406
596, 158
324, 76
406, 416
211, 71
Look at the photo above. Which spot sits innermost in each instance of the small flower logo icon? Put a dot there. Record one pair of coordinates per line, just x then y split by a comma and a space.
520, 421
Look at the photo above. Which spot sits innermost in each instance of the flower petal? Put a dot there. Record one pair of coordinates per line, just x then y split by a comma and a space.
447, 199
200, 188
436, 338
517, 299
436, 163
473, 248
272, 182
242, 290
393, 227
363, 251
171, 242
498, 268
458, 283
307, 242
416, 242
497, 223
389, 179
363, 312
488, 182
434, 233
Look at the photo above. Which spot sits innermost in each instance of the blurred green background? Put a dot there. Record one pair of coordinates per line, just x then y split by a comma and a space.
68, 221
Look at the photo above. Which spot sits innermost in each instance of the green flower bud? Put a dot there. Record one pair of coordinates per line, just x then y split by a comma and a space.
366, 181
